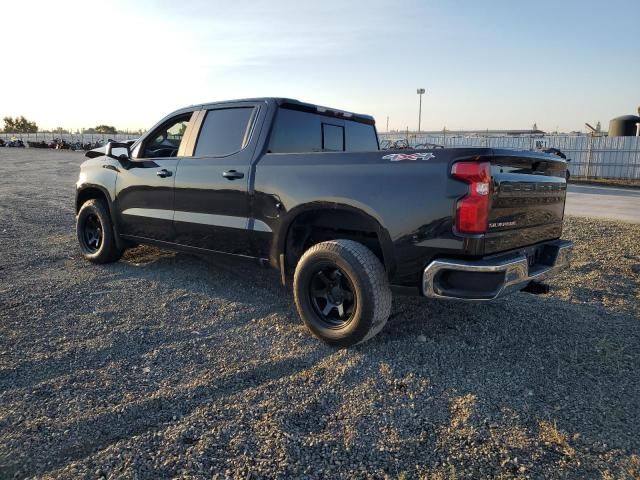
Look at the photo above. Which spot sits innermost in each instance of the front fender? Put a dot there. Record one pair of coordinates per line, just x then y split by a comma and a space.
95, 181
100, 173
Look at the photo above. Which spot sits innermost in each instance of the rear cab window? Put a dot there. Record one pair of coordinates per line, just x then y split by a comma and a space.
332, 138
296, 131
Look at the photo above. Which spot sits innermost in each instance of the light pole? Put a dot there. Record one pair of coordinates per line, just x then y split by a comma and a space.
420, 91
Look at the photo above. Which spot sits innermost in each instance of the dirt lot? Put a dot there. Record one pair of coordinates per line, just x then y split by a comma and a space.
170, 365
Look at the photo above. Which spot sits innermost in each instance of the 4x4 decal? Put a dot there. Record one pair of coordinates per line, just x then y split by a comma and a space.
396, 157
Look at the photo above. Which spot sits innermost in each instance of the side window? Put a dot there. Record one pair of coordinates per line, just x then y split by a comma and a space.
332, 138
165, 141
295, 132
224, 131
360, 137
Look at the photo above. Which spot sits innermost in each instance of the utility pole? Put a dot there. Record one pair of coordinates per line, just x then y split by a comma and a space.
420, 91
387, 123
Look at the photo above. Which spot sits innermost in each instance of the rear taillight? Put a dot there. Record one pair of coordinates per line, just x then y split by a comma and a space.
472, 215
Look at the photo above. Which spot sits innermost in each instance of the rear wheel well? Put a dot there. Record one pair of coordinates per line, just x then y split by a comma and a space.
89, 194
316, 226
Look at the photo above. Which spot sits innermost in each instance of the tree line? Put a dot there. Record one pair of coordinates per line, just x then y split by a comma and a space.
23, 125
19, 125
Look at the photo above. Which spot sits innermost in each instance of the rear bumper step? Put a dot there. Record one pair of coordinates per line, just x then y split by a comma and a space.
488, 279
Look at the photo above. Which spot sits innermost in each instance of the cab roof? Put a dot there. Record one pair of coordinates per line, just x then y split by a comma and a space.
302, 106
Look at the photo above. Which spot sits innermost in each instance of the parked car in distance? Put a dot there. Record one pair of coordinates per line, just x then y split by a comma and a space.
307, 189
422, 146
385, 144
14, 142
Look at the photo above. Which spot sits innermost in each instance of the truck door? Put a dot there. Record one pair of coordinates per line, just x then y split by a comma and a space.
144, 190
212, 208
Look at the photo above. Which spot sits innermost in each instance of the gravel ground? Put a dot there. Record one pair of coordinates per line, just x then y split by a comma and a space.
170, 365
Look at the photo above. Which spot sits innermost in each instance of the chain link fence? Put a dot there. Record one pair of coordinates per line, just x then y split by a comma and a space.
591, 157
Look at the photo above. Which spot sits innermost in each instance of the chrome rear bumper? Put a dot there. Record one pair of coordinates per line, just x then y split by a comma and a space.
488, 279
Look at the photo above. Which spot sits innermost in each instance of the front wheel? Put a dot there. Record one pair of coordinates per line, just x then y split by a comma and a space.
95, 233
342, 292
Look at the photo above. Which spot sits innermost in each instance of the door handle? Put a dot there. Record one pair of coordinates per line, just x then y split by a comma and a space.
164, 173
232, 174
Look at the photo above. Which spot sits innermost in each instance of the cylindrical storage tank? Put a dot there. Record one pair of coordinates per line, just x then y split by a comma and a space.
624, 126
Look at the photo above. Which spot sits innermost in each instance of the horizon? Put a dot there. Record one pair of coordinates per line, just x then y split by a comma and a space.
487, 66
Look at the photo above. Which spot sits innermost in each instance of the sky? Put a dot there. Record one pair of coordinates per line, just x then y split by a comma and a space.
493, 64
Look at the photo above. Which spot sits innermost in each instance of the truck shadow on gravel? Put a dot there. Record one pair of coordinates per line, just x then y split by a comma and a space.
575, 362
549, 357
96, 432
190, 281
237, 280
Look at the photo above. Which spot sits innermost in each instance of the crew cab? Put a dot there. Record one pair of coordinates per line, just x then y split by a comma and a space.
307, 189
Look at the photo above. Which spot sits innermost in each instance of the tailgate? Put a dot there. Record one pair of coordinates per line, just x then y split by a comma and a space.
527, 199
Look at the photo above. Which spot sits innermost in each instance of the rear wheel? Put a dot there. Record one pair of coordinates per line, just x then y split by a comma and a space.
342, 292
95, 233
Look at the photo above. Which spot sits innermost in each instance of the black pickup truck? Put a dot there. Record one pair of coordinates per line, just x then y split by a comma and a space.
307, 189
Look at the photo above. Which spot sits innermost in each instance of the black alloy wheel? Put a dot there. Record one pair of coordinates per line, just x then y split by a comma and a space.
342, 293
95, 233
332, 295
92, 233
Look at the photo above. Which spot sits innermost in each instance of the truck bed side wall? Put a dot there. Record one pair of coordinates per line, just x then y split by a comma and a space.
413, 200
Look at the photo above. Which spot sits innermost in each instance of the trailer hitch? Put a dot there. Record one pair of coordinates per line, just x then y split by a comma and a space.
536, 288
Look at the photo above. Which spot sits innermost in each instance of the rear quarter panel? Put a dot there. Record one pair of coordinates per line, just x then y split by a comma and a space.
413, 200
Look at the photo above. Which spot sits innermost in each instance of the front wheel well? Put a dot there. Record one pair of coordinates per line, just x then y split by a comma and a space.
312, 227
97, 193
90, 193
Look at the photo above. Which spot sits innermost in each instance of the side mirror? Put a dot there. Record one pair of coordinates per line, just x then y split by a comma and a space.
124, 156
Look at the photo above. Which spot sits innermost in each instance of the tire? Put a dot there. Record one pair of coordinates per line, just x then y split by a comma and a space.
95, 233
342, 273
